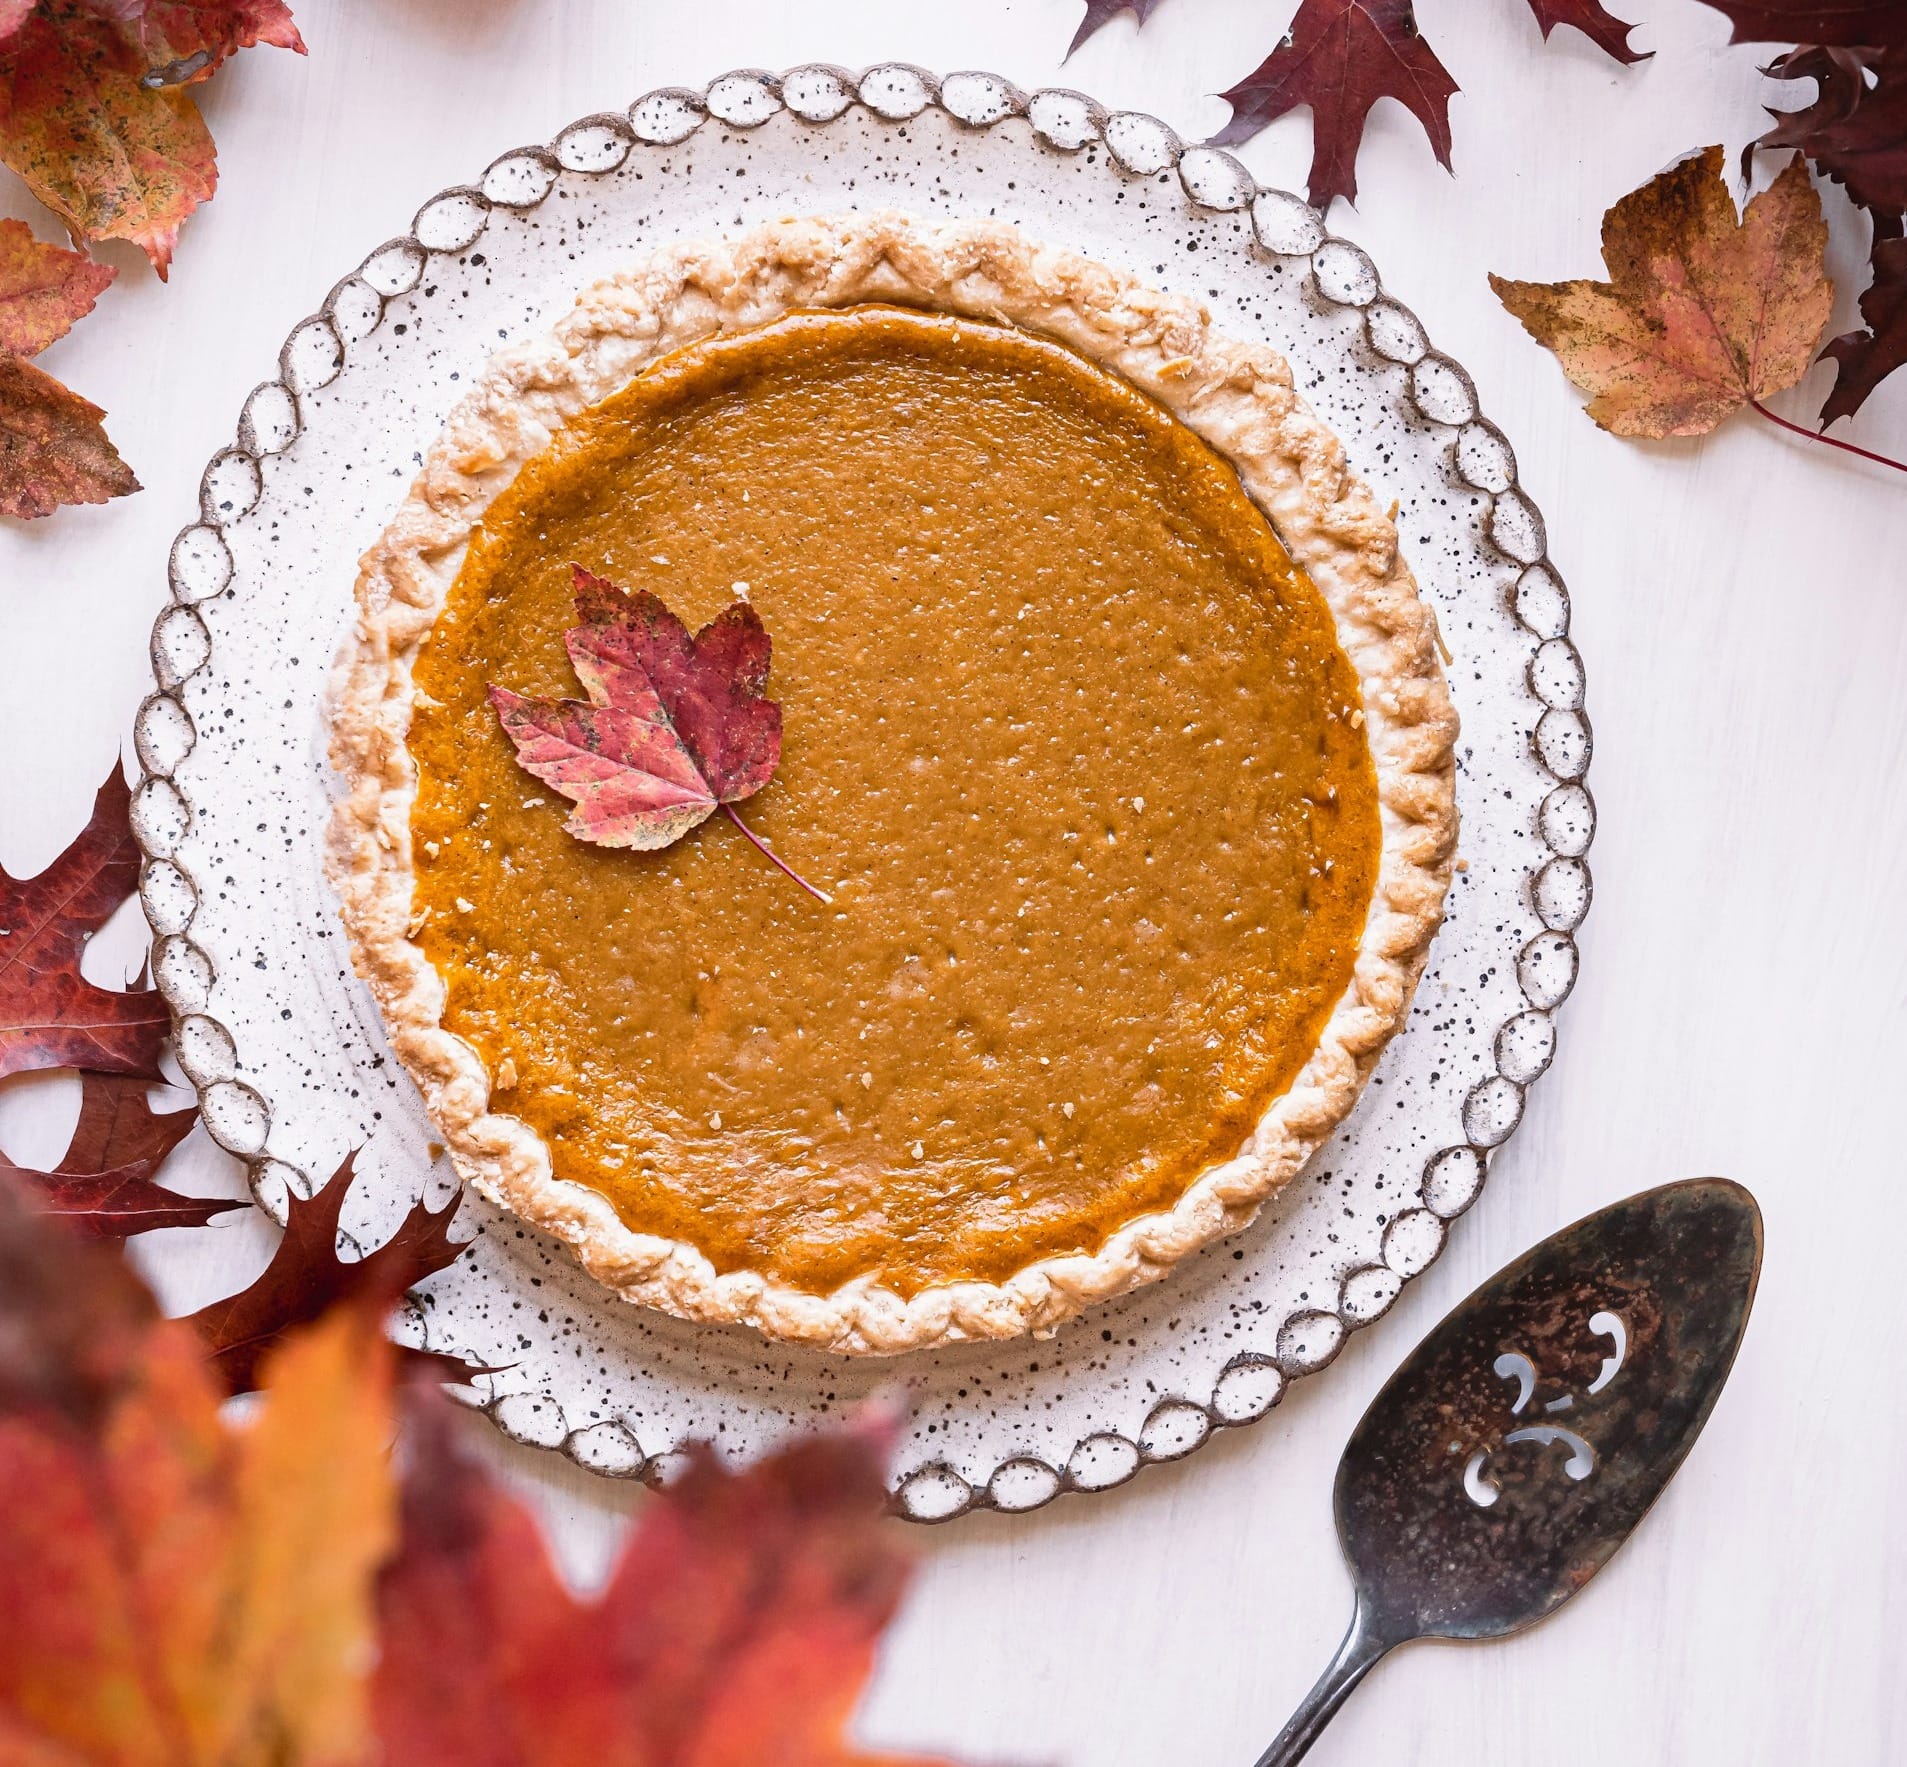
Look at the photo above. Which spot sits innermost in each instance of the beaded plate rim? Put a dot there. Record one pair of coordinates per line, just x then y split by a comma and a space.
200, 566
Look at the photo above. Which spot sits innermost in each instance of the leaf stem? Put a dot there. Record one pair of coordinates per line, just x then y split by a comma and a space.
1815, 435
768, 853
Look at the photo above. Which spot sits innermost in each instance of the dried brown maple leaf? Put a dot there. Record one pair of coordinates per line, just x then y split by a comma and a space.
95, 118
1340, 57
173, 1589
104, 1186
306, 1277
50, 1015
53, 449
675, 727
736, 1629
43, 290
1866, 358
1702, 314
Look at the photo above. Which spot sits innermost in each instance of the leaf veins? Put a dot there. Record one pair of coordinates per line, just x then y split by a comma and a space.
1702, 312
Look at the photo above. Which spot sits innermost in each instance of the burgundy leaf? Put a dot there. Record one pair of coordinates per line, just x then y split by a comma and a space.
674, 725
104, 1186
1842, 23
1855, 130
1600, 26
51, 1016
1340, 57
1867, 357
306, 1277
1100, 13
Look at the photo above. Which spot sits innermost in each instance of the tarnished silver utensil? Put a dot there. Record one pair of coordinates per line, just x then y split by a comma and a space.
1526, 1437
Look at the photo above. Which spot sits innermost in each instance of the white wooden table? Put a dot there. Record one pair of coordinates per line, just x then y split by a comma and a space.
1742, 606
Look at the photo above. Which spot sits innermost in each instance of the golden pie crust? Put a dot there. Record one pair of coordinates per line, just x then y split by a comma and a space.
1236, 396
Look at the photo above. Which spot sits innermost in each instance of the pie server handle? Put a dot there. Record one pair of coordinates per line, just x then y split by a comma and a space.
1357, 1655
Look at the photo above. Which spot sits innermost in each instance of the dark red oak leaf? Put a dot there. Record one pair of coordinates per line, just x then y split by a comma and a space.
1866, 358
1841, 23
50, 1015
1601, 27
674, 725
1100, 13
1855, 130
1340, 57
736, 1629
306, 1277
104, 1186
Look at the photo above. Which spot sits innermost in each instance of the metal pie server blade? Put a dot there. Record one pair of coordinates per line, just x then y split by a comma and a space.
1524, 1439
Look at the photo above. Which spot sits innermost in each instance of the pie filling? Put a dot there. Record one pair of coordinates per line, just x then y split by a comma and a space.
1068, 737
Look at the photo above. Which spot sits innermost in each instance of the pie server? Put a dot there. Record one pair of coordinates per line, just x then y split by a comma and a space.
1525, 1438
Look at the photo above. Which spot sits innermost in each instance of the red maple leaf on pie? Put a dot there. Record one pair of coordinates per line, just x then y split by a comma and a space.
104, 1186
674, 727
50, 1015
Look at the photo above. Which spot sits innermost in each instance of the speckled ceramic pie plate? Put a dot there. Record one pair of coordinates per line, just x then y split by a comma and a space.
288, 1053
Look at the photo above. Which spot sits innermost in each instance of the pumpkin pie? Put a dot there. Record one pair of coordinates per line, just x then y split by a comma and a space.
1114, 732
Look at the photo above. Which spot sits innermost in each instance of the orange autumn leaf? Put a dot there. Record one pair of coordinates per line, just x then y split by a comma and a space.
177, 1591
189, 39
737, 1629
43, 290
96, 118
1702, 313
53, 446
112, 157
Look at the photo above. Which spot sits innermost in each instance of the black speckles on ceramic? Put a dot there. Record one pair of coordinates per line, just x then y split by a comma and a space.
286, 1049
